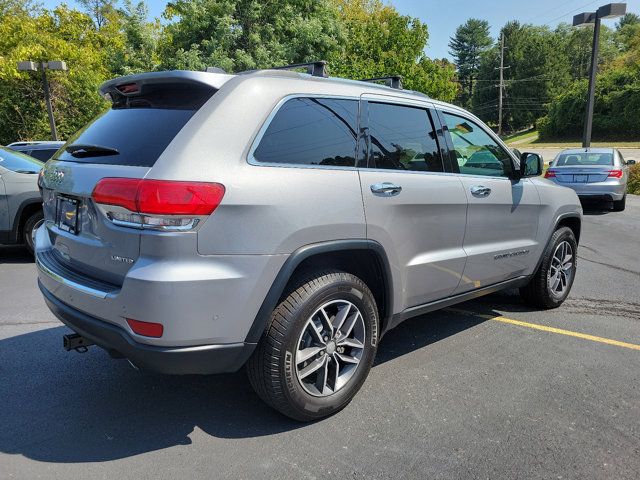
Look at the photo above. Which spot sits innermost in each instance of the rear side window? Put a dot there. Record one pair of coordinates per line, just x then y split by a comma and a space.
311, 131
402, 138
18, 162
584, 159
137, 129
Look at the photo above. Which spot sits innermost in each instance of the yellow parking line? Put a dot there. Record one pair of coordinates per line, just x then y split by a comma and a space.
546, 328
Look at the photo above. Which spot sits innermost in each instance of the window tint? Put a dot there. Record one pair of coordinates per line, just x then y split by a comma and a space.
476, 152
311, 131
584, 159
141, 127
43, 154
402, 138
18, 162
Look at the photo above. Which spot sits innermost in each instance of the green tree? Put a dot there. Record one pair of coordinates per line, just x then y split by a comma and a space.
380, 42
469, 43
247, 34
137, 49
63, 34
99, 10
628, 19
537, 71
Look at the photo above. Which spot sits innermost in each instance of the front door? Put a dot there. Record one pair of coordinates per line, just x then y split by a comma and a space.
502, 218
413, 207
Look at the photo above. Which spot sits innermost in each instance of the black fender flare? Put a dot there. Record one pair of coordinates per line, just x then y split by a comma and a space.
559, 219
15, 230
297, 257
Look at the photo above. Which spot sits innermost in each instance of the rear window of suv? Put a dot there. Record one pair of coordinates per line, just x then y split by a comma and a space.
137, 129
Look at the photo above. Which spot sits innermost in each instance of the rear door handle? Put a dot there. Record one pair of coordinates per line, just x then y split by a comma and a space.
386, 189
480, 191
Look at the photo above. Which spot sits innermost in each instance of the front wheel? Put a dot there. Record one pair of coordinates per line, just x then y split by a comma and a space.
319, 347
554, 278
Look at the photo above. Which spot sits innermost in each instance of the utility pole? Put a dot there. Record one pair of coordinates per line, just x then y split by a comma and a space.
501, 85
47, 101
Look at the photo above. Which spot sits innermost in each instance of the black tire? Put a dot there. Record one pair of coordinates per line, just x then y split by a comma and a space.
619, 205
33, 222
272, 367
537, 292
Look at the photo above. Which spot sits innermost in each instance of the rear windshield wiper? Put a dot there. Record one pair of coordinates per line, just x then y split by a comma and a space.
87, 150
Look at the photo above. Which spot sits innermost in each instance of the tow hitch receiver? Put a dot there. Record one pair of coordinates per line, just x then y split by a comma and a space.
77, 342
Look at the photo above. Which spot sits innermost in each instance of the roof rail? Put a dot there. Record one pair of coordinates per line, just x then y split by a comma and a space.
316, 69
393, 81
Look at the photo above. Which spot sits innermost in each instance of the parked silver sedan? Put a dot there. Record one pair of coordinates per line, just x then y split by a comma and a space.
594, 174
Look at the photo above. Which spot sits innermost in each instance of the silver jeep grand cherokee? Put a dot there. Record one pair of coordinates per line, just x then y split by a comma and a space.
286, 221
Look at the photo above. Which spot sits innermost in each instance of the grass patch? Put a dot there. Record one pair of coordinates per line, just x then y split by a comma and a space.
530, 139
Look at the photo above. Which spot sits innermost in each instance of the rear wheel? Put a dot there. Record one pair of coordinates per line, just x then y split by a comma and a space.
553, 280
30, 226
619, 205
318, 348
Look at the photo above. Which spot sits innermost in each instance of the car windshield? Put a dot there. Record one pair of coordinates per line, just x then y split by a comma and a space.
19, 162
584, 159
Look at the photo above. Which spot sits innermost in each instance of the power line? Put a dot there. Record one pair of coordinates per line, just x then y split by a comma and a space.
572, 11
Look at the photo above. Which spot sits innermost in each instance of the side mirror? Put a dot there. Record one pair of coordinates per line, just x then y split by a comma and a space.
630, 162
531, 165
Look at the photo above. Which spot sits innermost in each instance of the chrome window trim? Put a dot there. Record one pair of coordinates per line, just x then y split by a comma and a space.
251, 159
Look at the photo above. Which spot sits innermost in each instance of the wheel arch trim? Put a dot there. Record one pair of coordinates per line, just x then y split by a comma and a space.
270, 302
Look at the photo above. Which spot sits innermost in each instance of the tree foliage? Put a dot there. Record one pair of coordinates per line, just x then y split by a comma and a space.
470, 42
380, 41
248, 34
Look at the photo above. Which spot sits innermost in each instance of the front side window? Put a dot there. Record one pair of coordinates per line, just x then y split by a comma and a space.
476, 152
402, 138
311, 131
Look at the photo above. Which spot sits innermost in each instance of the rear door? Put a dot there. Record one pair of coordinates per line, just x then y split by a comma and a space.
123, 142
502, 218
413, 206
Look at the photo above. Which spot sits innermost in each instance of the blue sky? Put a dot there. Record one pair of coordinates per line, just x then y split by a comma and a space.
443, 16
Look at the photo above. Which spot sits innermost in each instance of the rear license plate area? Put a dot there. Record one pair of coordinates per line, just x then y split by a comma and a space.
67, 214
581, 178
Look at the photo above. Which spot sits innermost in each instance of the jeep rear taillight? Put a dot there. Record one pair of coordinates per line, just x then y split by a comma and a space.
157, 204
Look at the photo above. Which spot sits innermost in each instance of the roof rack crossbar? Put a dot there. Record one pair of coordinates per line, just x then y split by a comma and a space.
315, 69
393, 81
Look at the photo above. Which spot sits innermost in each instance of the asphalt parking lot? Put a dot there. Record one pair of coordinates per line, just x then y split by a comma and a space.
489, 390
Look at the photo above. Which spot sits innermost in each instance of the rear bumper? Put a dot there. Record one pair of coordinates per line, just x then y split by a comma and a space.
201, 359
607, 191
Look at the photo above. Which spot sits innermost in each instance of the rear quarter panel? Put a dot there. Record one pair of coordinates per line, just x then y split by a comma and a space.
266, 209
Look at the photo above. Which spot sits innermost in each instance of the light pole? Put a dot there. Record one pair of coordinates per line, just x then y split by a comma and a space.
43, 66
612, 10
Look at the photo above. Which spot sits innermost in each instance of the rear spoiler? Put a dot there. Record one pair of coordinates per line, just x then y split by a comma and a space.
130, 84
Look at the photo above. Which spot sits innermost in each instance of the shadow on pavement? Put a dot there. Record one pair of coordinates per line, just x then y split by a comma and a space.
72, 408
15, 254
